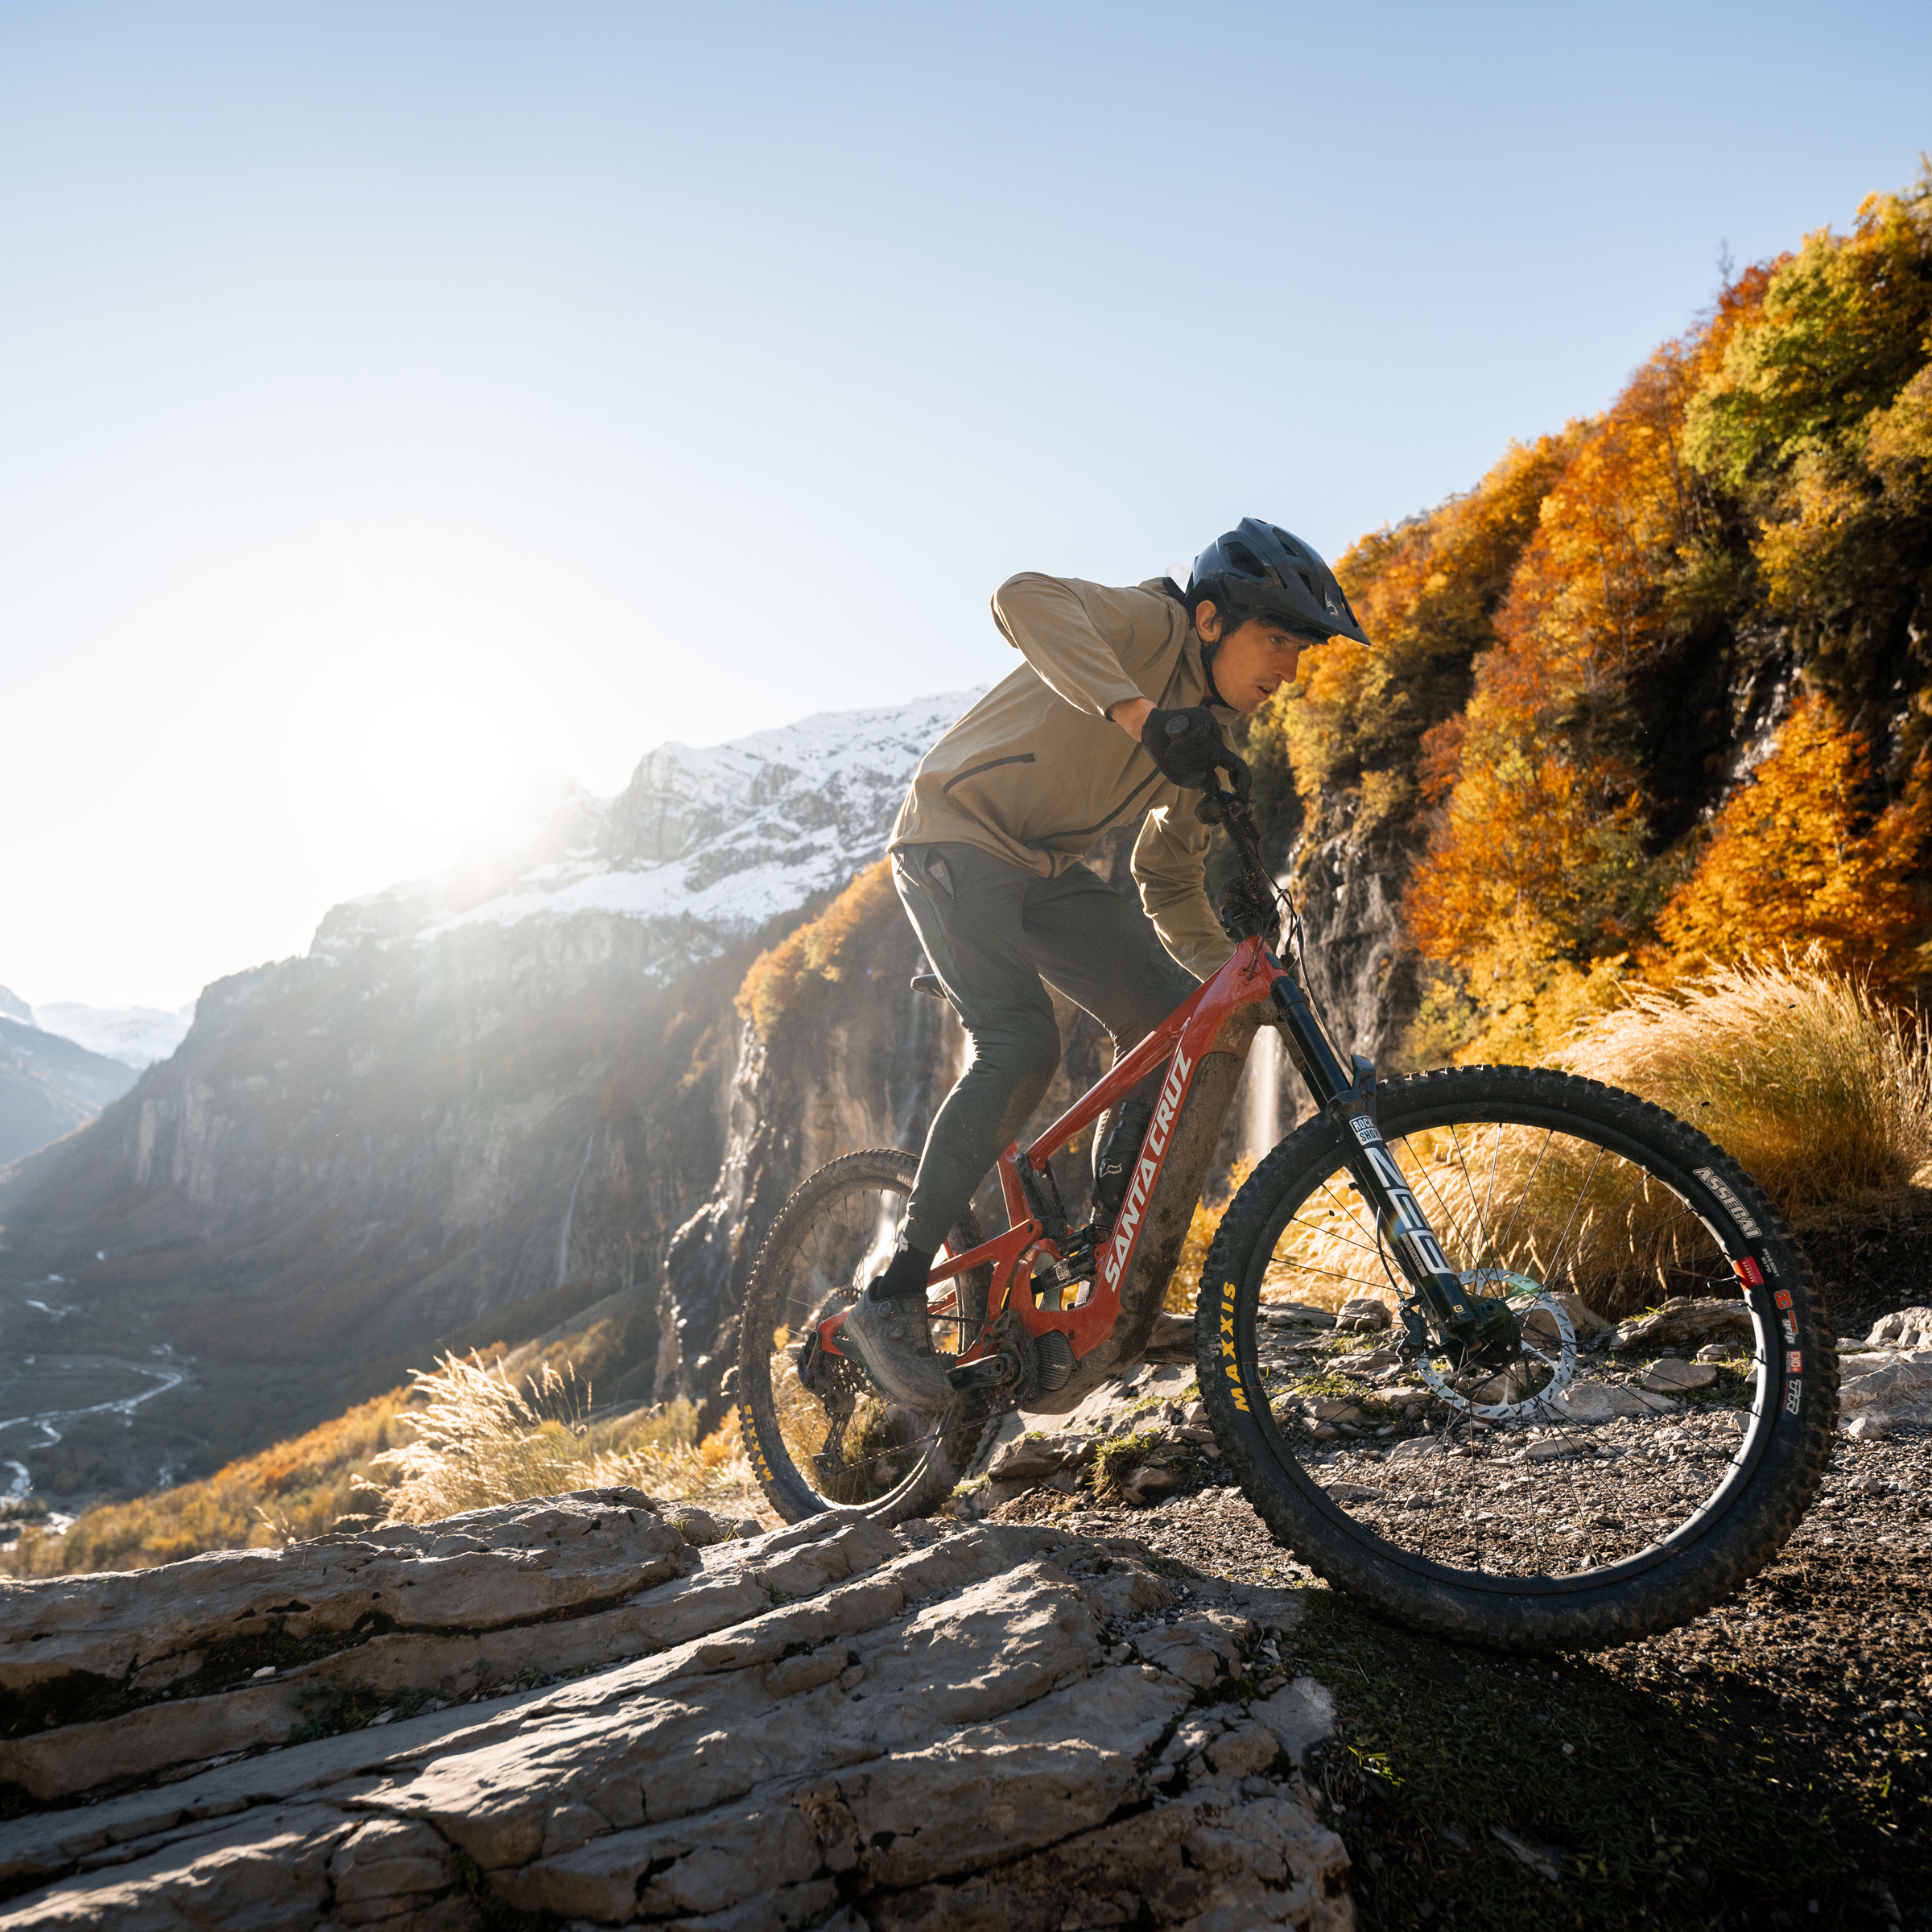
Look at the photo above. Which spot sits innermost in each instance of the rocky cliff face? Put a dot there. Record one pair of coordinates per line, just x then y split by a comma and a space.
50, 1086
482, 1102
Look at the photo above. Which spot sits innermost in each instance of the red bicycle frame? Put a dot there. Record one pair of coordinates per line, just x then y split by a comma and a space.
1184, 1039
1212, 1029
1215, 1025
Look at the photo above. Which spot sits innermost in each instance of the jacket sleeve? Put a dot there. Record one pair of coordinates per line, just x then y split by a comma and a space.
1170, 867
1092, 645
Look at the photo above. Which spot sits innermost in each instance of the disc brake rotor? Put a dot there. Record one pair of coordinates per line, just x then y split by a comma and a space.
1526, 1298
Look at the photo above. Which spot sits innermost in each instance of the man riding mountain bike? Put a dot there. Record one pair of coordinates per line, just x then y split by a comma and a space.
1122, 708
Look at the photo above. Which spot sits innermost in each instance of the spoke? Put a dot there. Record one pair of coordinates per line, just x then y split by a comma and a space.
1482, 1230
1549, 1274
1542, 1154
1324, 1234
1495, 1160
1595, 1497
1309, 1267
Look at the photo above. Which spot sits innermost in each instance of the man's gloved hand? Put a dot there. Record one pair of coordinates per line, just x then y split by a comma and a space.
1188, 746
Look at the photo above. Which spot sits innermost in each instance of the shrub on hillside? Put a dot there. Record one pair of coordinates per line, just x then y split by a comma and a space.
839, 939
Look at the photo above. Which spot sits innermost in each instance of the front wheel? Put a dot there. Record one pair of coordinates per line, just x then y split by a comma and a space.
1577, 1495
821, 1437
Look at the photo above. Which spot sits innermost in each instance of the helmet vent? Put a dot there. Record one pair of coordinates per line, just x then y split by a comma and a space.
1245, 561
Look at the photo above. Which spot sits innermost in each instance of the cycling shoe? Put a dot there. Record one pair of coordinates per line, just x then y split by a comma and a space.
889, 1338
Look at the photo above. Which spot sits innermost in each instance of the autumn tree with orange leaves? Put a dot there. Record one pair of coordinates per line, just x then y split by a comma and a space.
1797, 860
1532, 752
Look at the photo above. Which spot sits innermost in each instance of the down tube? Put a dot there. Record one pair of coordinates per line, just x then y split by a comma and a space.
1197, 1129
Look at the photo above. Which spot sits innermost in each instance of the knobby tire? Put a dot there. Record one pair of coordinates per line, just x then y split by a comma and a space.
949, 1441
1783, 1440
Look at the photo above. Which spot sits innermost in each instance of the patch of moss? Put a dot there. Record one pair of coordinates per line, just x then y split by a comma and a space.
1119, 1453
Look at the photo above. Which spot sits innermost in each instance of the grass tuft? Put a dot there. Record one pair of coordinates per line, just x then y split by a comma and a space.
480, 1439
1818, 1089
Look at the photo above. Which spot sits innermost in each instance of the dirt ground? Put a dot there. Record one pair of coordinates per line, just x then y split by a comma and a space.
1765, 1766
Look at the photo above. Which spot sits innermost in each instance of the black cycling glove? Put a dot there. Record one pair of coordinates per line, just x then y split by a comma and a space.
1188, 746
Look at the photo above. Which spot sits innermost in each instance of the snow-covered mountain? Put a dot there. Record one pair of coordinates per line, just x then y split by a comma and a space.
485, 1101
137, 1036
705, 845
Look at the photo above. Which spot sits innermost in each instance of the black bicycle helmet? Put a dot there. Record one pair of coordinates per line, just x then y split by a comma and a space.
1259, 566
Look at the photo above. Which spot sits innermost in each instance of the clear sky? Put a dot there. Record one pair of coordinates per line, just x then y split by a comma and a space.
396, 400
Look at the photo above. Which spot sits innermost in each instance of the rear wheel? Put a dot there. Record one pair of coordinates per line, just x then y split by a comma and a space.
838, 1444
1576, 1494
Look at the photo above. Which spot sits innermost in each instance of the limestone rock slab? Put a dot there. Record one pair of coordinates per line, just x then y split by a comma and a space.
1670, 1377
482, 1571
1683, 1320
1906, 1328
918, 1730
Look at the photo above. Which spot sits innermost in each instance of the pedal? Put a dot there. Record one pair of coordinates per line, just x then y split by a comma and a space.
987, 1372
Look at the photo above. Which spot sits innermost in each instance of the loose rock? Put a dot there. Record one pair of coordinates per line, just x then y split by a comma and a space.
1604, 1401
1585, 1322
1363, 1313
1672, 1377
1302, 1315
1908, 1328
1682, 1320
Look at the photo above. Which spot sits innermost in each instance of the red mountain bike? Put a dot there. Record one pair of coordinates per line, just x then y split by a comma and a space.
1484, 1471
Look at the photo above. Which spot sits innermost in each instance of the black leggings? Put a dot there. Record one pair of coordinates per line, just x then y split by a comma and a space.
993, 932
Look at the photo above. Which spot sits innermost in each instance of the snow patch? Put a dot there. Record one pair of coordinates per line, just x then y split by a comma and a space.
136, 1036
709, 842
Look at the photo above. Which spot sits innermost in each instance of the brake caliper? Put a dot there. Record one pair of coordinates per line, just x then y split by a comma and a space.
1489, 1339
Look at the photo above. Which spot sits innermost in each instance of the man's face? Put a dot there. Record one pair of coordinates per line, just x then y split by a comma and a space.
1253, 660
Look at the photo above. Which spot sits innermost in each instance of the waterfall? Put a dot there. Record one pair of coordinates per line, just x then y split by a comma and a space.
570, 1210
1261, 1094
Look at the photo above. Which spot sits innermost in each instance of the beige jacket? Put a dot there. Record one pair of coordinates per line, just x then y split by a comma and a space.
1036, 772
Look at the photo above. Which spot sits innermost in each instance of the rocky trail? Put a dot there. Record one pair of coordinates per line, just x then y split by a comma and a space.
1004, 1725
1766, 1765
1101, 1695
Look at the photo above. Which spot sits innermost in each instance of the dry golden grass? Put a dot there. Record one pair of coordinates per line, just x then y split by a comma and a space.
290, 1490
1820, 1091
1509, 1201
480, 1438
466, 1436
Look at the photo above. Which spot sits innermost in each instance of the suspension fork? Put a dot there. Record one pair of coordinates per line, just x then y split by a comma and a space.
1346, 1095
